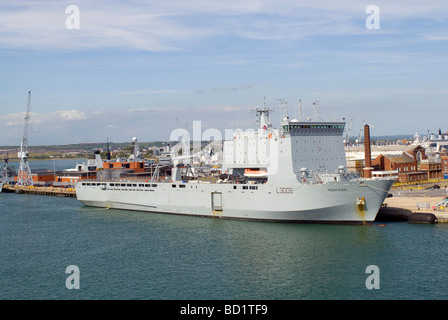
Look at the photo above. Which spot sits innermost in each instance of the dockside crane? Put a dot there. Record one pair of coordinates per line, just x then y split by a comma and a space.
24, 177
316, 108
347, 137
358, 141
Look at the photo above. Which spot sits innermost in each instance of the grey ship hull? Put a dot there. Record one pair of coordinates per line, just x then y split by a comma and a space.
353, 202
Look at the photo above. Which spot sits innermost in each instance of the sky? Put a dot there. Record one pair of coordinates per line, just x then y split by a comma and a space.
113, 70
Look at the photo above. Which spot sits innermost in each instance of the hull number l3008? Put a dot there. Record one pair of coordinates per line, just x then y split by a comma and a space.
285, 190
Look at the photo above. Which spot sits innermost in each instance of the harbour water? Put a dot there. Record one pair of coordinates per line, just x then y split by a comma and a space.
137, 255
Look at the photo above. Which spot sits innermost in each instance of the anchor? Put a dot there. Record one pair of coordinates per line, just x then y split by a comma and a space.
361, 203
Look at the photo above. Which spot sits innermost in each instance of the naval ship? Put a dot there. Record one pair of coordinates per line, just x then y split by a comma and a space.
294, 173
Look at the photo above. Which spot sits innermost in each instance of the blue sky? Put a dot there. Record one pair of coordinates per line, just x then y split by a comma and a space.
140, 68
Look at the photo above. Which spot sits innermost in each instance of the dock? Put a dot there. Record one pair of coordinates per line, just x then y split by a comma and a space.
48, 191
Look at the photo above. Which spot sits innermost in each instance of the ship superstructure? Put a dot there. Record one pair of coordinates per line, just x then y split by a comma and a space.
301, 151
295, 173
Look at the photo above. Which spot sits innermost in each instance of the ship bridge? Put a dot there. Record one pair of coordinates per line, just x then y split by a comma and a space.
317, 146
314, 129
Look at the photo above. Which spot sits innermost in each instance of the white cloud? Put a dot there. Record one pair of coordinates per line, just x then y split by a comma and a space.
175, 25
219, 70
75, 126
13, 120
70, 115
41, 25
58, 118
435, 37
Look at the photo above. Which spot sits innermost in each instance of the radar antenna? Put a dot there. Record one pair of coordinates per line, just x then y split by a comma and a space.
285, 108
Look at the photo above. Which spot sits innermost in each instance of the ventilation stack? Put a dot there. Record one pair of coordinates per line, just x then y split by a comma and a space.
367, 153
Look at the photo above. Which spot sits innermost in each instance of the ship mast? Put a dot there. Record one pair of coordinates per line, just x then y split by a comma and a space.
263, 116
24, 178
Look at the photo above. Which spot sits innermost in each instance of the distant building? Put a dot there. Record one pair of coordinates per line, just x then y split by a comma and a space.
444, 165
355, 157
41, 177
432, 167
411, 163
404, 165
417, 152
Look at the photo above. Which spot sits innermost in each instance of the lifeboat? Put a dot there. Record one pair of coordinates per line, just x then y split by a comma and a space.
255, 173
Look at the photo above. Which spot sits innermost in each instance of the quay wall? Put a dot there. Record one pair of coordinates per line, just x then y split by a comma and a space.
50, 191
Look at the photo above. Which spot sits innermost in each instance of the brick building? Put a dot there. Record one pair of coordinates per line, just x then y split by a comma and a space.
40, 177
433, 168
417, 152
404, 164
444, 164
355, 155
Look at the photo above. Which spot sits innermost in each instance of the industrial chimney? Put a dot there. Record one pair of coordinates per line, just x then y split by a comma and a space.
367, 153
